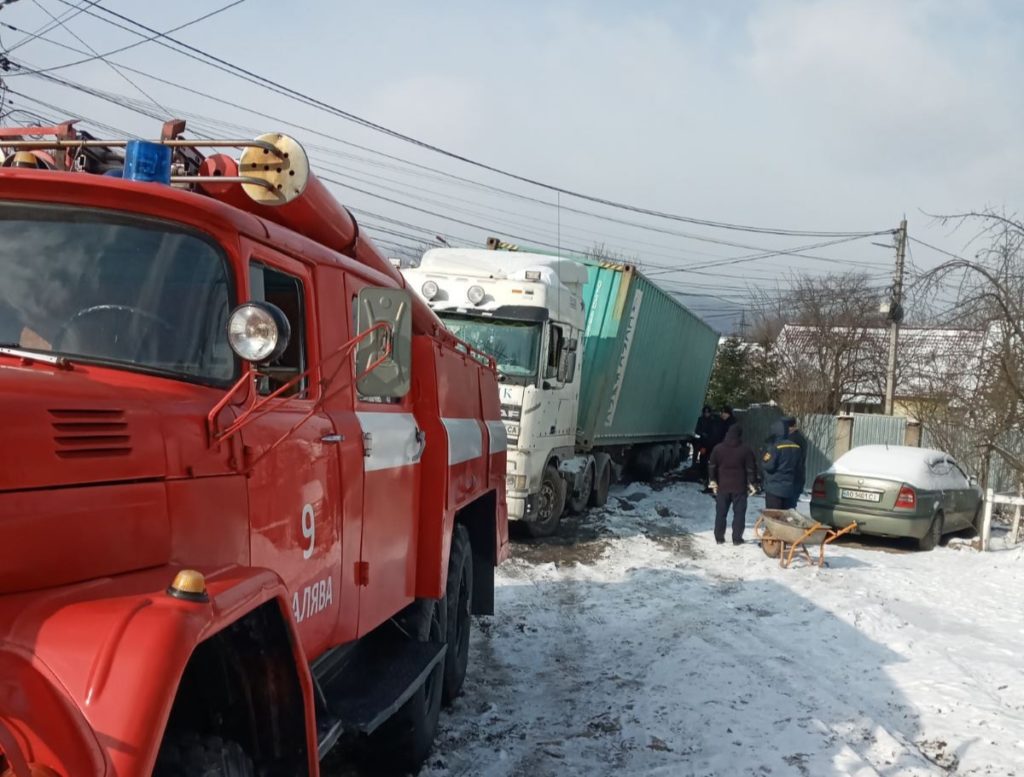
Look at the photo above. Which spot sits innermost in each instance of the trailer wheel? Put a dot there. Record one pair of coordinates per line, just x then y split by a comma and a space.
603, 482
459, 598
403, 743
550, 504
188, 753
579, 500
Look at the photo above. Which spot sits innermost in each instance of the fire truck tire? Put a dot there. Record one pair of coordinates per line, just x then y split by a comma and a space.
202, 756
550, 504
459, 597
403, 743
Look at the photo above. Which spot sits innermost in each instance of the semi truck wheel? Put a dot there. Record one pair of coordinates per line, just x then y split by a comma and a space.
403, 743
580, 499
603, 481
188, 753
550, 504
459, 597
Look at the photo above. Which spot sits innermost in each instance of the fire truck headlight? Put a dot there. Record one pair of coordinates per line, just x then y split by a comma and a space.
429, 290
475, 294
258, 332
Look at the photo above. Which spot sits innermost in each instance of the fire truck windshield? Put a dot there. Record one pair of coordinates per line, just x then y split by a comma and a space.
515, 345
114, 289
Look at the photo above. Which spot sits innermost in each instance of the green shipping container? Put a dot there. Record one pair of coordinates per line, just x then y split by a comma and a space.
646, 360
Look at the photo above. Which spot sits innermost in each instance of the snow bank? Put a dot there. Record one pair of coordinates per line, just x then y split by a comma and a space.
648, 649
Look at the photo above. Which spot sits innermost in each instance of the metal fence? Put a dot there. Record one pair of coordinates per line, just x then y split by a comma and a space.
820, 432
878, 429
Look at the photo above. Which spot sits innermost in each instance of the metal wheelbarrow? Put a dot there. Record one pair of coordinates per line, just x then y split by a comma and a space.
783, 532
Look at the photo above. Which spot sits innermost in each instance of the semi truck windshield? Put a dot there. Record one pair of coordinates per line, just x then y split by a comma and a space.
514, 345
114, 289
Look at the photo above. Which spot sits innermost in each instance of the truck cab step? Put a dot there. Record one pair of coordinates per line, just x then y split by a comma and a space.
369, 685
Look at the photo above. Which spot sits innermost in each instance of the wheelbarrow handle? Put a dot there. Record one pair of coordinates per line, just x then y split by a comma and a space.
845, 530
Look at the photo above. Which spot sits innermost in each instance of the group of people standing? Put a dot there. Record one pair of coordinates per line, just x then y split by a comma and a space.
729, 467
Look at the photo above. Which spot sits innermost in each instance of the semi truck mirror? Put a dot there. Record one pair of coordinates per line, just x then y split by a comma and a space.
391, 377
567, 367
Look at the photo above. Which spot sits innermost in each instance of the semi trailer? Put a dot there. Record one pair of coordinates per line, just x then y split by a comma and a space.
602, 372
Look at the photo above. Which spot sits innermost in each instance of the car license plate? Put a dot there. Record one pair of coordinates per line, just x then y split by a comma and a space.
860, 496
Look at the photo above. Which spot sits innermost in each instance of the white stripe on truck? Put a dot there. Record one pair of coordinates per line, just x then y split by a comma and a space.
392, 442
498, 436
465, 442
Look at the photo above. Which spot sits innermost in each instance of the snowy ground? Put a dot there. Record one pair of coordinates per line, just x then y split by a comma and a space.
635, 645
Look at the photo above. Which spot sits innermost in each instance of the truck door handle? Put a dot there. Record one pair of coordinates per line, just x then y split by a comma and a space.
333, 438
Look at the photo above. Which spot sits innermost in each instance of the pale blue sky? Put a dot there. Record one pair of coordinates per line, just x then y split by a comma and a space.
807, 114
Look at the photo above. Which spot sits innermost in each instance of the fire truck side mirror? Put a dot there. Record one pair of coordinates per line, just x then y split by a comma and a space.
392, 375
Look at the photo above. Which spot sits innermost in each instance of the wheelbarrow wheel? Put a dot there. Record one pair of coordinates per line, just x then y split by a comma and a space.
772, 548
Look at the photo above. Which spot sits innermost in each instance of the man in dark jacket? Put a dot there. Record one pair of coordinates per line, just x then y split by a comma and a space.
795, 435
733, 472
779, 465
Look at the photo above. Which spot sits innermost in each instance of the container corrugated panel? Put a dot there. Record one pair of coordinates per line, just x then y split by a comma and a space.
646, 361
870, 429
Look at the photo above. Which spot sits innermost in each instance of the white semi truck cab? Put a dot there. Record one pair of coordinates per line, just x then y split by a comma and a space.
525, 310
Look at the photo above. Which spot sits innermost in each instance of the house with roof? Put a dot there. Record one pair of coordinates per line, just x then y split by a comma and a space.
843, 369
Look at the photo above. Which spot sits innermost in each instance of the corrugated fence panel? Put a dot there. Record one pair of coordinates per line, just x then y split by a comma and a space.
820, 431
869, 429
757, 423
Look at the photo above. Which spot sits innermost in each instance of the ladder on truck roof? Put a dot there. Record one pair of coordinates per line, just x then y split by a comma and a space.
31, 147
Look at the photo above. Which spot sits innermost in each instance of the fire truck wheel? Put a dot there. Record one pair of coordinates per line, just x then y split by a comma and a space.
202, 756
550, 504
459, 597
403, 743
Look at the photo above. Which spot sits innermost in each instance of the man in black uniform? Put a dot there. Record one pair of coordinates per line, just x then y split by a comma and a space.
733, 473
704, 433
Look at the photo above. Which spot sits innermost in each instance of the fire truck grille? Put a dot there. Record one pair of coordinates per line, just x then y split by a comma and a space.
81, 434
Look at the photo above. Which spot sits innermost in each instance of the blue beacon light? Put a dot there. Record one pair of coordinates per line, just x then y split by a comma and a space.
145, 161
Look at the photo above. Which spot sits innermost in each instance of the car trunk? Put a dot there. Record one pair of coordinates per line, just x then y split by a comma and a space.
852, 491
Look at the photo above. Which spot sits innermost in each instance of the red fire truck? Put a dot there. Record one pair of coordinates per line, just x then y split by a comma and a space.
251, 490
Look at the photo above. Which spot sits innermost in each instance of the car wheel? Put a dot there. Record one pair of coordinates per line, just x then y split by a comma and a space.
934, 535
550, 504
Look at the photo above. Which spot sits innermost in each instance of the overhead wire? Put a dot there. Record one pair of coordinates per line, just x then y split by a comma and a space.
119, 50
99, 56
265, 82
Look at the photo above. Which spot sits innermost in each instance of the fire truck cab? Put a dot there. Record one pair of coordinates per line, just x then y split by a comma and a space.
251, 490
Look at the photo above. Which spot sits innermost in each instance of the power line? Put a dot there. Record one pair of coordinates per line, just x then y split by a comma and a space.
248, 75
611, 219
109, 64
51, 25
112, 52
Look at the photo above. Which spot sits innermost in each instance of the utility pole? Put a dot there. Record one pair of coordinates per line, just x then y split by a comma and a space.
895, 316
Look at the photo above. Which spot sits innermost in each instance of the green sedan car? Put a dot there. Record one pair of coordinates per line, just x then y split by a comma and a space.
897, 491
